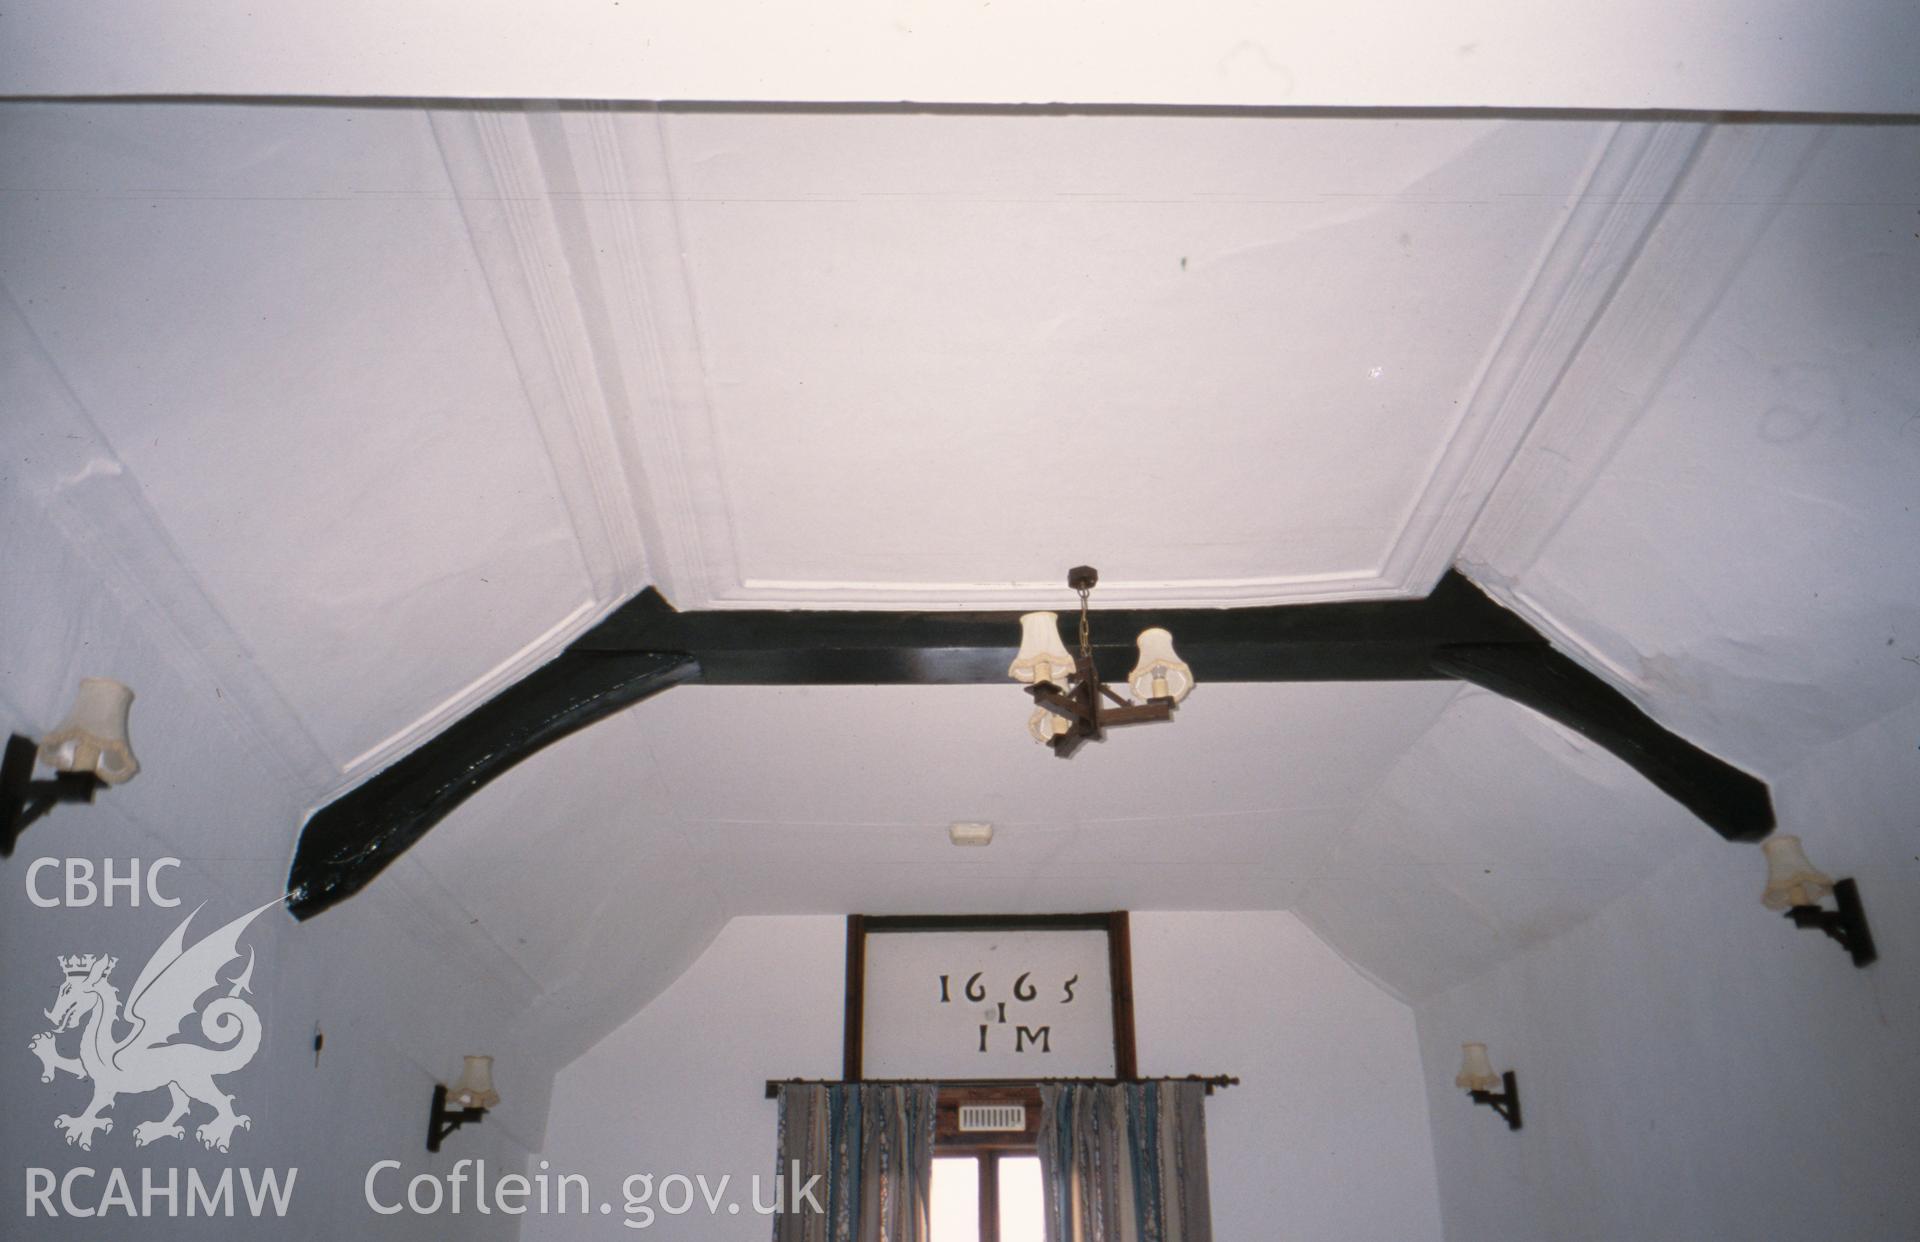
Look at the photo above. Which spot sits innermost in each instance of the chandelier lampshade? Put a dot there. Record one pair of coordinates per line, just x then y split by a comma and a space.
1071, 706
1160, 674
1043, 657
1045, 725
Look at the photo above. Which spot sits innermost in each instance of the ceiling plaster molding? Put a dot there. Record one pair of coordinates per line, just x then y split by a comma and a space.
469, 696
91, 497
1687, 263
1633, 175
1690, 262
492, 159
645, 331
572, 214
727, 588
883, 596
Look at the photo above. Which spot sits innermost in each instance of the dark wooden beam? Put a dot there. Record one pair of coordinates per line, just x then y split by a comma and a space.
647, 646
352, 839
1387, 640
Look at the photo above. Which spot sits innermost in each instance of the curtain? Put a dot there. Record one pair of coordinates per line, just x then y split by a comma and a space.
1125, 1163
873, 1149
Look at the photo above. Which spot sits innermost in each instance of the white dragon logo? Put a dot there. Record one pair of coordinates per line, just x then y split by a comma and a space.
143, 1059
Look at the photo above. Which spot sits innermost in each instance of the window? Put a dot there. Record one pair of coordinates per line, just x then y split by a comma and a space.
991, 1196
955, 1204
986, 1183
1020, 1207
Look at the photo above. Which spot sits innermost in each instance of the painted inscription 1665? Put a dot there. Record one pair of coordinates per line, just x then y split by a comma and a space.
988, 1004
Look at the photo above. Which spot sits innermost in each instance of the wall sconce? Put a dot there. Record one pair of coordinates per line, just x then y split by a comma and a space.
1477, 1076
471, 1097
88, 750
1795, 886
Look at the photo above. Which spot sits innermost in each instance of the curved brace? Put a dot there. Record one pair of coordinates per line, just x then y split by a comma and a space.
353, 838
1733, 803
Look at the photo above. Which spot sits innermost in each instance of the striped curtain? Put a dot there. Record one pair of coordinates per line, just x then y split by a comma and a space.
1125, 1163
873, 1149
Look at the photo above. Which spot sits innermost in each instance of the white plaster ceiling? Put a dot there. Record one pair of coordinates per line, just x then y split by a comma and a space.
408, 397
275, 319
1775, 55
997, 345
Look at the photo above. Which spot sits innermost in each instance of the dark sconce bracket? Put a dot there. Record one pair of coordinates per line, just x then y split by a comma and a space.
23, 799
1847, 924
1506, 1103
443, 1121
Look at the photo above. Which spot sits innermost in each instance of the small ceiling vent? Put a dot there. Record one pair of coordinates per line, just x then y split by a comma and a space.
976, 1118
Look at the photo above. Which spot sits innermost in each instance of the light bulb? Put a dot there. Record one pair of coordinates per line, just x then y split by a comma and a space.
1160, 674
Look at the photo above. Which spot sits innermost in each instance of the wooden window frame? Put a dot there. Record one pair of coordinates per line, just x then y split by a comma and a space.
987, 1147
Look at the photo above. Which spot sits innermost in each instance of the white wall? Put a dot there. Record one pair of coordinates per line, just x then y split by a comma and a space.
399, 999
1325, 1139
1691, 1066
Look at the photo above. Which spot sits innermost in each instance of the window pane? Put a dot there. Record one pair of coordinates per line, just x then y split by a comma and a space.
955, 1209
1020, 1206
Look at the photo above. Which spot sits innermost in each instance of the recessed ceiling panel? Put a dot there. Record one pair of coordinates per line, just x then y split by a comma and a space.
1746, 564
1223, 358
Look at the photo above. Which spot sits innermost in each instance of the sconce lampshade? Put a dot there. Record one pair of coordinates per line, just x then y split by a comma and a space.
1160, 674
1476, 1072
475, 1088
1043, 657
1791, 879
93, 737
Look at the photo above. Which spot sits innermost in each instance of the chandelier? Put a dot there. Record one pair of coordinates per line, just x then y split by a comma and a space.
1072, 705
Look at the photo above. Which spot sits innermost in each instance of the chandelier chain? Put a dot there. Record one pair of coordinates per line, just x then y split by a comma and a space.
1086, 646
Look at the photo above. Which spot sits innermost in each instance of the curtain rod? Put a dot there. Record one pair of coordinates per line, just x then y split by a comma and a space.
1211, 1082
